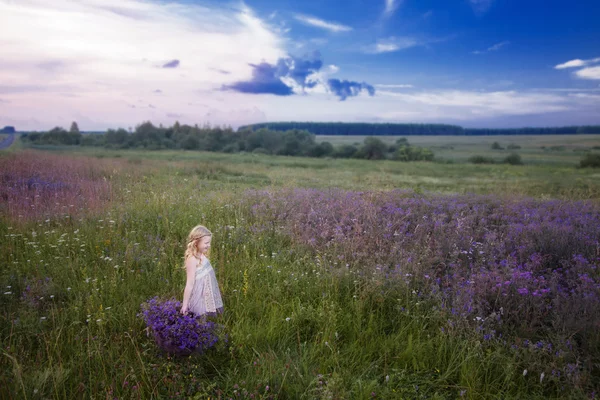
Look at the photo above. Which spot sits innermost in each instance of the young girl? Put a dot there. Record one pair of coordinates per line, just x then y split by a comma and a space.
201, 295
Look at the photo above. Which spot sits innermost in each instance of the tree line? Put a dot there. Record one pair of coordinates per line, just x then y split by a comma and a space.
292, 142
390, 129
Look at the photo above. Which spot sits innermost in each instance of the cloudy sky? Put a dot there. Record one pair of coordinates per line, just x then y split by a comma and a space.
476, 63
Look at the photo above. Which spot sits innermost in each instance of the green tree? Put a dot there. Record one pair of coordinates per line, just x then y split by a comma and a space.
372, 149
74, 128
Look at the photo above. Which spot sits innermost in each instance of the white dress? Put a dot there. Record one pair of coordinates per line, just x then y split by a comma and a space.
206, 296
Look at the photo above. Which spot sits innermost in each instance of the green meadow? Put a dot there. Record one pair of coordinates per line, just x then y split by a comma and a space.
89, 234
534, 149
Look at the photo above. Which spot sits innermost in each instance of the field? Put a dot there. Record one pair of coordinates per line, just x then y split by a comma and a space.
341, 278
535, 149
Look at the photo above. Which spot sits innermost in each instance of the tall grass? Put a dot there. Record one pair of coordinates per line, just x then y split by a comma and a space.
315, 306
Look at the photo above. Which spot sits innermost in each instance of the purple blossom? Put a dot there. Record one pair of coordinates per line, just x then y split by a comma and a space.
177, 333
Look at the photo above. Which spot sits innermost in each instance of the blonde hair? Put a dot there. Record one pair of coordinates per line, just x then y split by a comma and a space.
197, 233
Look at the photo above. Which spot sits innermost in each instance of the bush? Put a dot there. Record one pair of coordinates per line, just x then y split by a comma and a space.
260, 150
496, 146
513, 159
411, 153
345, 151
176, 333
513, 146
323, 149
481, 160
372, 149
590, 160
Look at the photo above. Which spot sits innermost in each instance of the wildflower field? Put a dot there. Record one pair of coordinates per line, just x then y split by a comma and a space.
342, 279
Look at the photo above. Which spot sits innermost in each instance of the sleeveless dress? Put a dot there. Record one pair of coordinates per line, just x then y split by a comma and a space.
206, 296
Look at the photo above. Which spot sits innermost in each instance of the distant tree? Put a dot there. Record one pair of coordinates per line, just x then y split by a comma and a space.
74, 128
116, 138
190, 143
372, 149
345, 151
323, 149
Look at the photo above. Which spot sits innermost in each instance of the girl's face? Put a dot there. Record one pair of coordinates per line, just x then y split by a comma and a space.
204, 244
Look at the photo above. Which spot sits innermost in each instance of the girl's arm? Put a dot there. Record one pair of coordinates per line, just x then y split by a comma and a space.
190, 269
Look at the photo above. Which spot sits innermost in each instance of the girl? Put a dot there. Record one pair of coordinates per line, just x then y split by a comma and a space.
201, 295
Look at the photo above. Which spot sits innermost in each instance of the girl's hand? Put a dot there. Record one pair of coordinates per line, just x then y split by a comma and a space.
184, 310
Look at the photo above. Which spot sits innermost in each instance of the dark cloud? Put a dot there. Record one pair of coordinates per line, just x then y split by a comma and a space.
300, 69
267, 78
171, 64
157, 91
344, 89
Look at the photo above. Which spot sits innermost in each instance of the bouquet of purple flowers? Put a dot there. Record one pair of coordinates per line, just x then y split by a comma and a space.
176, 333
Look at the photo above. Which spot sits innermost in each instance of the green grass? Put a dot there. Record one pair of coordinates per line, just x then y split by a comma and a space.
345, 338
546, 180
460, 148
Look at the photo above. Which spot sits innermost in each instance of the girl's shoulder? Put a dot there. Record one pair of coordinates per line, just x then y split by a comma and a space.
201, 260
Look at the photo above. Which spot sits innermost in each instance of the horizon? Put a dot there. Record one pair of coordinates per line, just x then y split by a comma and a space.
488, 64
225, 126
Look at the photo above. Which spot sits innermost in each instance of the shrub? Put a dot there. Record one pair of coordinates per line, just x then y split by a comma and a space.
513, 159
513, 146
260, 150
345, 151
496, 146
590, 160
481, 160
411, 153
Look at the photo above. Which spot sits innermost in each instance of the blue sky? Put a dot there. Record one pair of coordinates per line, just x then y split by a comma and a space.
116, 63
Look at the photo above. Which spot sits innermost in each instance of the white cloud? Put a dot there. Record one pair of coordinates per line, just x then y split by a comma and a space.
393, 86
571, 64
450, 106
566, 89
333, 69
319, 23
495, 47
589, 73
577, 63
390, 7
460, 104
93, 57
392, 44
586, 96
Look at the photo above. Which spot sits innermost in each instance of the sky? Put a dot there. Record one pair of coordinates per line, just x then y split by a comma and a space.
475, 63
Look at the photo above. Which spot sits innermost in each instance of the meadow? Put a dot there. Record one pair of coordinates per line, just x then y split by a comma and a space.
342, 279
553, 150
